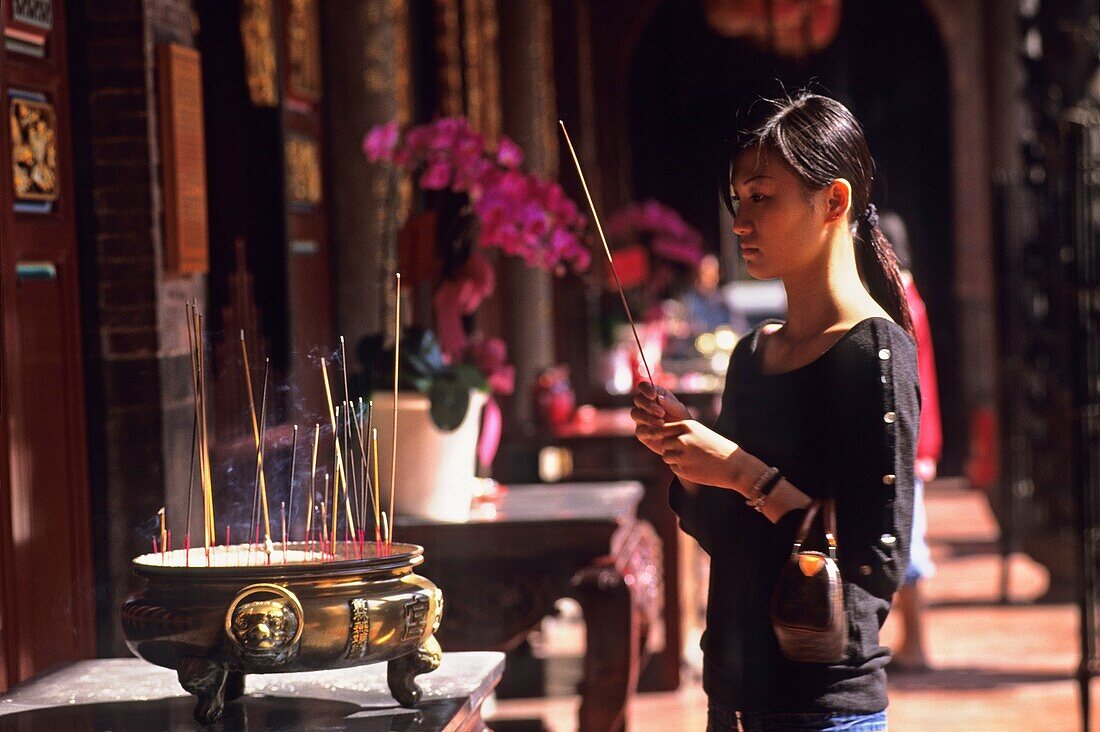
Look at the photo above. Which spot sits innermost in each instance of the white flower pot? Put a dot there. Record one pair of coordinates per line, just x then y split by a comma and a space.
435, 470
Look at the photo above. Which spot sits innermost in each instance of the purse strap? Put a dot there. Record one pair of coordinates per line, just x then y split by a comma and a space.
808, 520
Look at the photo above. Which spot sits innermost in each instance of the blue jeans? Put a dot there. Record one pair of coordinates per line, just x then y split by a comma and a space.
921, 565
721, 720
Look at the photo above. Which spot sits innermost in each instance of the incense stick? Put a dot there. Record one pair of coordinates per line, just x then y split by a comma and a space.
290, 497
312, 481
606, 249
282, 513
396, 366
377, 489
349, 480
260, 468
163, 534
364, 486
194, 428
204, 453
338, 459
255, 427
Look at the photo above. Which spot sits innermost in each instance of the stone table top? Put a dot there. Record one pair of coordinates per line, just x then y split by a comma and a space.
130, 694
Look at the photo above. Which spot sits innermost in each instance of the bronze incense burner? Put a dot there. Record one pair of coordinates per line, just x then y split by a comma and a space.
248, 614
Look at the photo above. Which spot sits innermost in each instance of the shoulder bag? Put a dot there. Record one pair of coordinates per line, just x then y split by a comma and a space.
807, 608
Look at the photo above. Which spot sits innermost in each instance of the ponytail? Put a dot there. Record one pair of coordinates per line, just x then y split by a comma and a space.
879, 267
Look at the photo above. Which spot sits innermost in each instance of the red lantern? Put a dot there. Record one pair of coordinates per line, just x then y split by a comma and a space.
793, 28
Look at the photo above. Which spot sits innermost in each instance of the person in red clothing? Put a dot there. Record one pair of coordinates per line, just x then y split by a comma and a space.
910, 655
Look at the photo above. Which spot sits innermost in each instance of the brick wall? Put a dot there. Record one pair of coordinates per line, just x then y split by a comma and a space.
138, 363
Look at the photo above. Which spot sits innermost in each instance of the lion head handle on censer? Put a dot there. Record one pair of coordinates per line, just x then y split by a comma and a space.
265, 630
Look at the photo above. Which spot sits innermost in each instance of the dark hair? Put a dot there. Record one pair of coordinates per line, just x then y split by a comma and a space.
821, 141
893, 228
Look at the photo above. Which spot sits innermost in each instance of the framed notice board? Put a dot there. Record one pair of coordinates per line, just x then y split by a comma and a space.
183, 159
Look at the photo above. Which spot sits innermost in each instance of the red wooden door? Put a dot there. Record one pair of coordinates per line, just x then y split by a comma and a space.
46, 578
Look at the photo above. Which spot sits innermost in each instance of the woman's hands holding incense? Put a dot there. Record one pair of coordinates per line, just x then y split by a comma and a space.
695, 453
653, 407
699, 454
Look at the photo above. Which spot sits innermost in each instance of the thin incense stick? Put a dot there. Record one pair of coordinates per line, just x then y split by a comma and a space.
349, 471
396, 362
339, 455
208, 504
376, 487
362, 464
349, 475
312, 481
606, 249
194, 428
255, 426
260, 466
334, 503
290, 497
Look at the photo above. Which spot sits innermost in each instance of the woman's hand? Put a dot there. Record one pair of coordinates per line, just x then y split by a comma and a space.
653, 406
699, 454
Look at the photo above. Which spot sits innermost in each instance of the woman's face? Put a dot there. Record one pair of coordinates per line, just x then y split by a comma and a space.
781, 224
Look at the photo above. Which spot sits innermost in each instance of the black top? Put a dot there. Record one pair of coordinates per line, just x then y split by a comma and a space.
843, 425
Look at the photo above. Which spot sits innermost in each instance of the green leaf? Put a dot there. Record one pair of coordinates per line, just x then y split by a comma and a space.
450, 402
471, 377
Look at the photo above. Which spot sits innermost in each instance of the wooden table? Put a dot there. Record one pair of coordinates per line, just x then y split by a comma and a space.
502, 572
599, 445
129, 694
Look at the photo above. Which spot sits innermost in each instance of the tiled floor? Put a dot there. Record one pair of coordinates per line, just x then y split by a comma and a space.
997, 668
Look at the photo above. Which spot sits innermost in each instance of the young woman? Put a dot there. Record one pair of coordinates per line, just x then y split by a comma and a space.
829, 399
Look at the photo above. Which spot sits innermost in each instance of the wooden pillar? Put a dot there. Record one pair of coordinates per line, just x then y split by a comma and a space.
367, 83
960, 27
529, 116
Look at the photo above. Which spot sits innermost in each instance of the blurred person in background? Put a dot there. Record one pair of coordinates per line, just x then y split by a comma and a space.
910, 654
706, 305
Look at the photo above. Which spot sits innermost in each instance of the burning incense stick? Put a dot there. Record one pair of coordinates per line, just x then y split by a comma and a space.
312, 481
194, 429
396, 363
339, 459
606, 249
163, 535
349, 472
349, 475
290, 497
375, 487
255, 427
268, 547
363, 460
204, 444
282, 513
337, 465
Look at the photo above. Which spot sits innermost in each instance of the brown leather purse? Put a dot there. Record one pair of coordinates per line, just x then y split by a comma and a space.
807, 608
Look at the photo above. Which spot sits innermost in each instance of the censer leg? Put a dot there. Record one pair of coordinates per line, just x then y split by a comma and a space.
402, 672
234, 686
206, 680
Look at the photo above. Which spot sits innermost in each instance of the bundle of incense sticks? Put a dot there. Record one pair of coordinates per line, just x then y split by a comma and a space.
351, 488
200, 443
